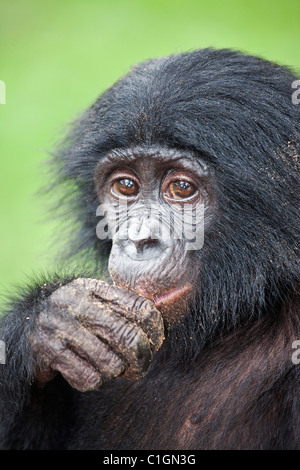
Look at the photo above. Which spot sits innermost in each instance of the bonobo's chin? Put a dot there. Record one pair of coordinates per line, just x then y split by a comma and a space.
172, 302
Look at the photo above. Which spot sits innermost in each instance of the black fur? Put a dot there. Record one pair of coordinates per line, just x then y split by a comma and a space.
234, 111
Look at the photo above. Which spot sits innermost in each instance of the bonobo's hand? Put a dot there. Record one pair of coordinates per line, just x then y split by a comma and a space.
91, 332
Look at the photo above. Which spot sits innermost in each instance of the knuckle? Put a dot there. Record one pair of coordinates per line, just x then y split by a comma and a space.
90, 380
139, 345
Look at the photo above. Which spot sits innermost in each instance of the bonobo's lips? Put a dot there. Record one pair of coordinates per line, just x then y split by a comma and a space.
172, 296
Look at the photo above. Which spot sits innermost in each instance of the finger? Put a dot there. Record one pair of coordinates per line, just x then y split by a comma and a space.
95, 352
124, 337
132, 306
61, 332
76, 371
136, 309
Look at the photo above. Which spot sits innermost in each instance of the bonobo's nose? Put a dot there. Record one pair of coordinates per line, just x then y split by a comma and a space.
143, 239
143, 235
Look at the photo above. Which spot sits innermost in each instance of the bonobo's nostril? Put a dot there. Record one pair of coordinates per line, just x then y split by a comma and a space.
145, 243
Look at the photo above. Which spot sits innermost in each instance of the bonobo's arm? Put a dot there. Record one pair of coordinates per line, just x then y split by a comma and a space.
66, 337
21, 401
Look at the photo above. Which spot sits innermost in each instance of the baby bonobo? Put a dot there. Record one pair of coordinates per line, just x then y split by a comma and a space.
181, 184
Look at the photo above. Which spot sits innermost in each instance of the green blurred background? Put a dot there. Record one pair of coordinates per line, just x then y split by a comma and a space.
56, 57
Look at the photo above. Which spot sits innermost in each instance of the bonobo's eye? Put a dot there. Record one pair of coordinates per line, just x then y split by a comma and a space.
124, 186
178, 187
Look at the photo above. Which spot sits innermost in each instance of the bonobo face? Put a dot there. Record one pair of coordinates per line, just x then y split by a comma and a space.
155, 204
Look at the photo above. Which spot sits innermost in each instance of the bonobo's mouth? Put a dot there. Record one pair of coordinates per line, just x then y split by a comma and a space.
172, 296
172, 303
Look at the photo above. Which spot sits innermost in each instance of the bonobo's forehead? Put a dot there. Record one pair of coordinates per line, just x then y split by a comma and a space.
145, 158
